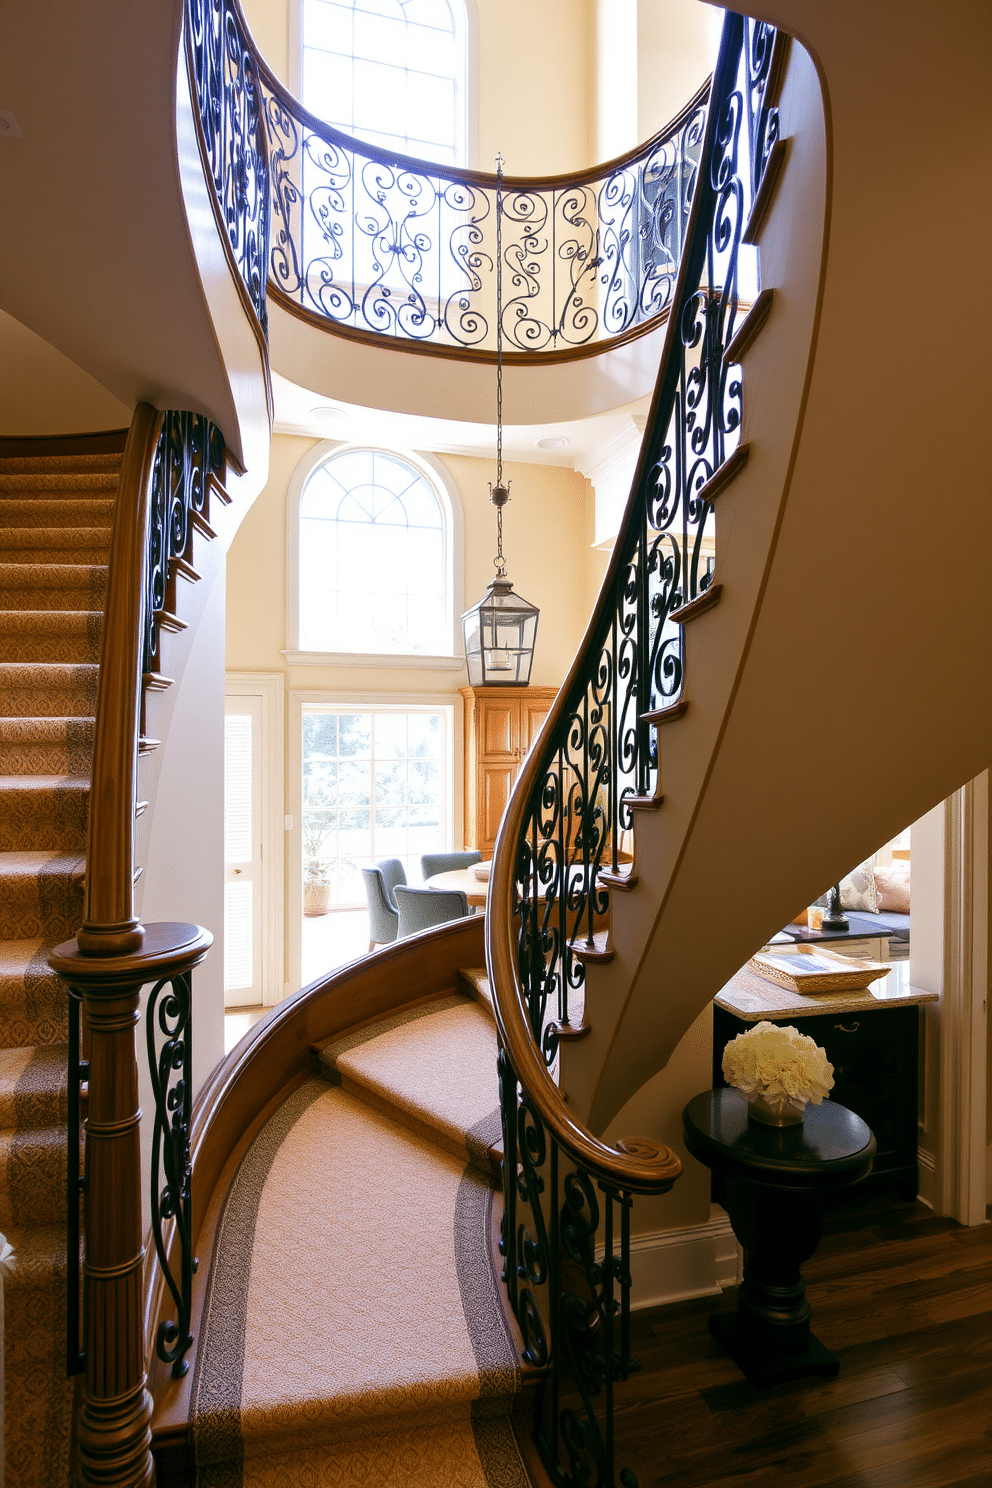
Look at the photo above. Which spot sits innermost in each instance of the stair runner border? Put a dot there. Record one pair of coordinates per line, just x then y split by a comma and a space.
215, 1396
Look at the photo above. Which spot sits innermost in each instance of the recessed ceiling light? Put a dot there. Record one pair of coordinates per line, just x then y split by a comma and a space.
325, 415
555, 441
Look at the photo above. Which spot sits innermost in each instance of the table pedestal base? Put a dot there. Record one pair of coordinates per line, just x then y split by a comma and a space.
763, 1371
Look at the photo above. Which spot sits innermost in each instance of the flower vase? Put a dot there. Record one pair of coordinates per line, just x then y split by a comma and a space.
774, 1113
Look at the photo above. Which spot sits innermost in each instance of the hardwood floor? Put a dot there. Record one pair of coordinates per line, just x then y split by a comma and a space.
904, 1299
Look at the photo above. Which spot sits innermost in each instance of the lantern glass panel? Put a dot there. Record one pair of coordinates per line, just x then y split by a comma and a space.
500, 632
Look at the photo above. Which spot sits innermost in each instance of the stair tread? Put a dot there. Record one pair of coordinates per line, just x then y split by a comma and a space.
43, 730
596, 949
75, 783
435, 1063
76, 463
54, 537
43, 812
39, 1251
17, 864
57, 480
46, 575
478, 981
49, 673
33, 1004
49, 620
33, 1086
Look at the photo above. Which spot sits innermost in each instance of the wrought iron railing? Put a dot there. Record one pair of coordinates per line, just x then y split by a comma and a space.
374, 243
169, 1033
565, 1236
223, 73
189, 468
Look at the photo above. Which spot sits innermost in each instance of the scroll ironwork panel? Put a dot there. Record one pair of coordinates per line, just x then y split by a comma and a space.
169, 1037
189, 460
385, 244
565, 1236
223, 72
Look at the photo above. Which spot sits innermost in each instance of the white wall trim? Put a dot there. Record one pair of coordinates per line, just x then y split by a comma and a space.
369, 659
441, 481
690, 1261
271, 688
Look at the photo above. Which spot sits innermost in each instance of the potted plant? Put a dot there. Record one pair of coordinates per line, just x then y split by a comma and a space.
317, 876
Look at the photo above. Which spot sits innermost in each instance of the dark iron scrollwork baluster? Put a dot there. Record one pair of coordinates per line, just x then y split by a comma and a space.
169, 1033
189, 461
223, 71
566, 1242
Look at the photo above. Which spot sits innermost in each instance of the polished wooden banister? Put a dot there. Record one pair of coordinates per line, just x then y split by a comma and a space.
105, 968
110, 926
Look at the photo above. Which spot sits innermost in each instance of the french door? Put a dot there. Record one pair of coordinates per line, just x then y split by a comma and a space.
376, 783
242, 851
254, 836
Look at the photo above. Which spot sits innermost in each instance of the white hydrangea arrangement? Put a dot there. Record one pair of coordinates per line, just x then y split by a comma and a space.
784, 1066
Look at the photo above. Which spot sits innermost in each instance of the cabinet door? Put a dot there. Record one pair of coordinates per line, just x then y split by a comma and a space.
532, 716
499, 730
495, 785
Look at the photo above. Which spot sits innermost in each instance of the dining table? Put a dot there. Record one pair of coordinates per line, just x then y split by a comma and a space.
474, 889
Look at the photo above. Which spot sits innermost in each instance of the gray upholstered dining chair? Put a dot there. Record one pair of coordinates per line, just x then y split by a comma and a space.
380, 882
431, 863
420, 909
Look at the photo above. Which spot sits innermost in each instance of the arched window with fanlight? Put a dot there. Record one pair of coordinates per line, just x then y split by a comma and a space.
391, 72
375, 557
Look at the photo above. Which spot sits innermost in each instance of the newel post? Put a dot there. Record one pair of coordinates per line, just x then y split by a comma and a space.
114, 1426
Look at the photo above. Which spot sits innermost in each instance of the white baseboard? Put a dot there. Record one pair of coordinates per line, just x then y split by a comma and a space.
693, 1261
927, 1166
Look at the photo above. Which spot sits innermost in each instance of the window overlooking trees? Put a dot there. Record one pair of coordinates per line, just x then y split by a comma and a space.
376, 784
374, 558
391, 72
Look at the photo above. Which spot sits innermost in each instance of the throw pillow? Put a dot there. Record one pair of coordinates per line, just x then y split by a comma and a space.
857, 890
892, 886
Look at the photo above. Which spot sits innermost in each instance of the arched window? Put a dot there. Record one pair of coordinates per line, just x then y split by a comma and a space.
375, 558
391, 72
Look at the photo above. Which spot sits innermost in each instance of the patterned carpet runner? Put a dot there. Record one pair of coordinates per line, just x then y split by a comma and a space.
55, 516
352, 1332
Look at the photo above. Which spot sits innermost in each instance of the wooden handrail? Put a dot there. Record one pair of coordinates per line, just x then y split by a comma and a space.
110, 926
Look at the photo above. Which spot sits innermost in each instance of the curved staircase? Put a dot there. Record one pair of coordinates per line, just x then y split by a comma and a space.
55, 520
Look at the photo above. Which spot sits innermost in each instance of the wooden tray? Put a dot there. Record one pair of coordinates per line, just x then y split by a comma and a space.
826, 970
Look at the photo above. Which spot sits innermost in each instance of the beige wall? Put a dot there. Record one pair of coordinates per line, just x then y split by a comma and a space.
547, 529
673, 58
43, 392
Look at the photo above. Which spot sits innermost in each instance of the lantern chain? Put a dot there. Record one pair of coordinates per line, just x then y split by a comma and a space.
499, 494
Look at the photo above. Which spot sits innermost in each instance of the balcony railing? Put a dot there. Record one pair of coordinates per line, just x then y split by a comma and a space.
372, 244
376, 244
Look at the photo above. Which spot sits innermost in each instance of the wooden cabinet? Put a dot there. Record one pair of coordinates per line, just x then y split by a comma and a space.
501, 724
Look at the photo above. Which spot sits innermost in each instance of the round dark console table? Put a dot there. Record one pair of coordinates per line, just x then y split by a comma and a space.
773, 1182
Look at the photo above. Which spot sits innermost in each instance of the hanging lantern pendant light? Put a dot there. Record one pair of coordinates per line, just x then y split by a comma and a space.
501, 629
